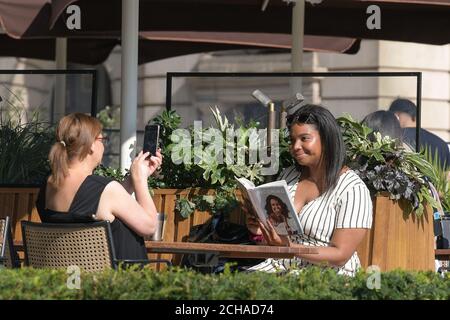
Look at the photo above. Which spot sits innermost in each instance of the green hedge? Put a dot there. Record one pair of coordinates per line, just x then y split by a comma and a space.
313, 283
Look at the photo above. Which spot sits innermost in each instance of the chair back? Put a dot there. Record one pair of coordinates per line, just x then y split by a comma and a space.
86, 245
8, 256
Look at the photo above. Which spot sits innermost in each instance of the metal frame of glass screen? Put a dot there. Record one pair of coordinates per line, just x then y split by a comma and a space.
417, 75
92, 72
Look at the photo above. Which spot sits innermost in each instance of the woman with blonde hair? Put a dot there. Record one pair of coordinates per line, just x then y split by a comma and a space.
73, 194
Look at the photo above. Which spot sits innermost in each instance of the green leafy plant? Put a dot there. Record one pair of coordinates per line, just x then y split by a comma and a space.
109, 117
24, 148
103, 171
286, 159
201, 168
176, 284
172, 175
439, 177
386, 167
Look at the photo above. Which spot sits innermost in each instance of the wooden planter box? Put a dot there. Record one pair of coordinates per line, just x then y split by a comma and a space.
19, 204
396, 240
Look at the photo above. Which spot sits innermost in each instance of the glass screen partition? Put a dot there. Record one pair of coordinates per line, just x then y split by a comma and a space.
192, 94
32, 93
31, 103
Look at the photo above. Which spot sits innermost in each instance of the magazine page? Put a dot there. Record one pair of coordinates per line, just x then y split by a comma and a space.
245, 186
278, 207
245, 183
251, 197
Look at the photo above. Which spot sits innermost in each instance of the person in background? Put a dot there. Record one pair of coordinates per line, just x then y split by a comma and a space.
387, 124
72, 194
406, 112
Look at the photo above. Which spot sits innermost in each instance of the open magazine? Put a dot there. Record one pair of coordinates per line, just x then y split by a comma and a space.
271, 201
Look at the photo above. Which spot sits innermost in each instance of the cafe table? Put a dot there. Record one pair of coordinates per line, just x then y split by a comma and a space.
227, 250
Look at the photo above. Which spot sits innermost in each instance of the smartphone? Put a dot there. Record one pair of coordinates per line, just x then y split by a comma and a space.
151, 139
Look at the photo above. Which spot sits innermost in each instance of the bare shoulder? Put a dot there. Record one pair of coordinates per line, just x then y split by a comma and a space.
113, 193
114, 187
113, 196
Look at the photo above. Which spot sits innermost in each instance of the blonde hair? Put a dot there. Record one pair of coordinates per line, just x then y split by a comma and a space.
74, 136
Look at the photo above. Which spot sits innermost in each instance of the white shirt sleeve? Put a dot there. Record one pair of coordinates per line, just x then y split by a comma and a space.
354, 209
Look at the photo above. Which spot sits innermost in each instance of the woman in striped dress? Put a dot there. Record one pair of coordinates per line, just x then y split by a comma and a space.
333, 203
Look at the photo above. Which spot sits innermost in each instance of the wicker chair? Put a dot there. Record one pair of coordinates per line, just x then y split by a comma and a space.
88, 246
8, 256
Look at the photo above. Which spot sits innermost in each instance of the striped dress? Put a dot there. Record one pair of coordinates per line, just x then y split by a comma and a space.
348, 205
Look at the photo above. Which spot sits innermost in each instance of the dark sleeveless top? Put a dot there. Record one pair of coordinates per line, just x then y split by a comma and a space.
127, 244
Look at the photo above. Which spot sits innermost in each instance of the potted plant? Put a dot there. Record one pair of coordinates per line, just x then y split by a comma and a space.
24, 146
440, 178
402, 233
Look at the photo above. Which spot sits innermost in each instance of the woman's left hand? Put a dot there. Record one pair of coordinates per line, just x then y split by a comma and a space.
272, 237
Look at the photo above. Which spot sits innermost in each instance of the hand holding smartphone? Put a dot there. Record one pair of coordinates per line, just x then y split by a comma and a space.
151, 139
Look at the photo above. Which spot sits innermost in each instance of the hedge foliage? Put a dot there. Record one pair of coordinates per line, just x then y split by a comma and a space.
314, 283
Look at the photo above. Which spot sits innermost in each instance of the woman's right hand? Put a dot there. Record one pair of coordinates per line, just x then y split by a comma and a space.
253, 225
251, 220
271, 236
